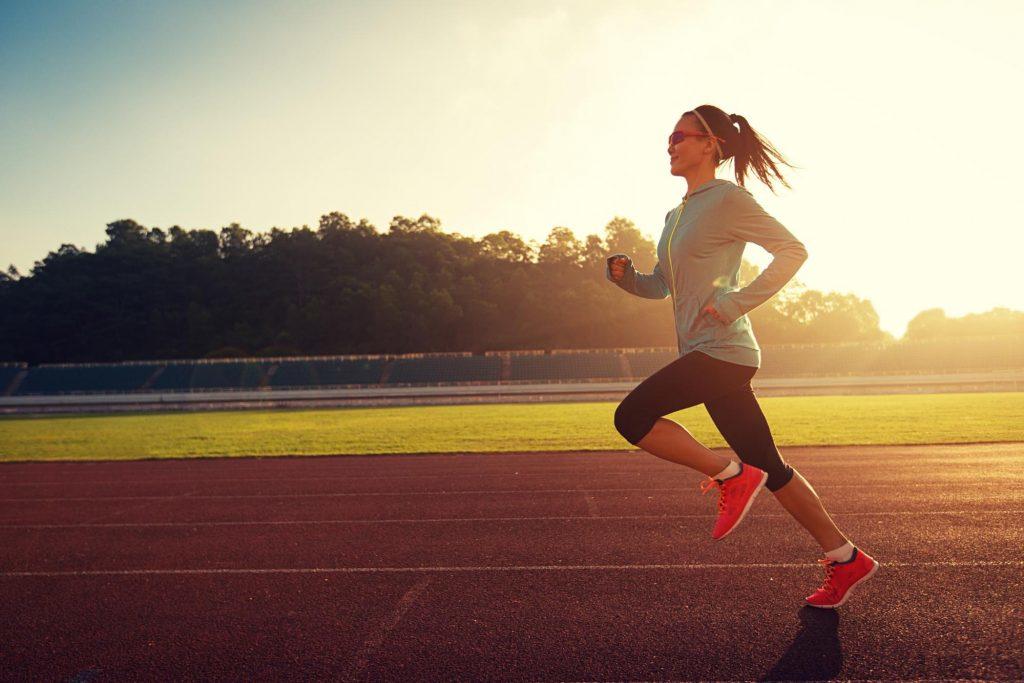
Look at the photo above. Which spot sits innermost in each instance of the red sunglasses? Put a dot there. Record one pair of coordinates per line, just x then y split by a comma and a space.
680, 135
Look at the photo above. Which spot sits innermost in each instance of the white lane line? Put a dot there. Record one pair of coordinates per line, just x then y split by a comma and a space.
512, 568
443, 520
679, 489
819, 452
381, 631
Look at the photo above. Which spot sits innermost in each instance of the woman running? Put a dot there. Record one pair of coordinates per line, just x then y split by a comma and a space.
698, 265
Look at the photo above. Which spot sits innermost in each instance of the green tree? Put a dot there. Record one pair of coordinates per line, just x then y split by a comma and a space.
424, 223
505, 246
621, 236
344, 287
561, 248
234, 240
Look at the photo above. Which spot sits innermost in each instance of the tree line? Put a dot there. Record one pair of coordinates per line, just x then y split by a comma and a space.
347, 288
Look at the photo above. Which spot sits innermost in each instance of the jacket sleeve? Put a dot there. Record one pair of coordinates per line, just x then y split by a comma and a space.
745, 220
653, 286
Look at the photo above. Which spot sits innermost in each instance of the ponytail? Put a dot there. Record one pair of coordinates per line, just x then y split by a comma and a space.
744, 145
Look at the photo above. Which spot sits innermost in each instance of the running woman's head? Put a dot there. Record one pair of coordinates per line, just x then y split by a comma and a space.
718, 137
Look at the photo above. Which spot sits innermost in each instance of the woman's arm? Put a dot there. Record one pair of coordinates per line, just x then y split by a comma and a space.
653, 286
745, 220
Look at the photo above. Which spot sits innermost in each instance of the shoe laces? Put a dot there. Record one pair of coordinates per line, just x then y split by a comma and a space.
830, 567
711, 483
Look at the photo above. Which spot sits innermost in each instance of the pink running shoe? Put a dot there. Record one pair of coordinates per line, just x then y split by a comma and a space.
841, 577
737, 495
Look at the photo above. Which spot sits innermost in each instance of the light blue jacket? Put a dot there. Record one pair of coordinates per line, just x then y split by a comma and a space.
699, 257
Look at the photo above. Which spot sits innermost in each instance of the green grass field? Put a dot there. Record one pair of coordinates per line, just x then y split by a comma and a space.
803, 420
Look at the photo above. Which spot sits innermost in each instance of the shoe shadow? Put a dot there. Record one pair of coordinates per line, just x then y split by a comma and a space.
815, 653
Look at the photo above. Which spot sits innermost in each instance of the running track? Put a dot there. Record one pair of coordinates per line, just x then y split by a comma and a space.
556, 566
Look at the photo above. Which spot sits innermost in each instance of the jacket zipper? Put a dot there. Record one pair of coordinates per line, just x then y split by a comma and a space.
668, 250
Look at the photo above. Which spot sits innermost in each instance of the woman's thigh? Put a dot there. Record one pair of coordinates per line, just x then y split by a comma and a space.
739, 418
685, 382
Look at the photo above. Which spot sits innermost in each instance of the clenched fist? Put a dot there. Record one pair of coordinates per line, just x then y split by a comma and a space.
617, 265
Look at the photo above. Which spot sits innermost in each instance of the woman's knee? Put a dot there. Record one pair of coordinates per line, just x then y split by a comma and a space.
778, 476
631, 423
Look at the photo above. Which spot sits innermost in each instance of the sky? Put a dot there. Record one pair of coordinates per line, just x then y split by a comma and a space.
901, 116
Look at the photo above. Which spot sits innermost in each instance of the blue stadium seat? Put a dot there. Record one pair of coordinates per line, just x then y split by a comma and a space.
208, 376
82, 379
948, 355
567, 366
435, 369
645, 362
7, 374
298, 373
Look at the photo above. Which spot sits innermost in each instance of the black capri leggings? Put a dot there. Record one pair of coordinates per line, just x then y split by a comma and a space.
724, 389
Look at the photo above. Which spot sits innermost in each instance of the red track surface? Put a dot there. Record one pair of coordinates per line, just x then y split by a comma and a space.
567, 566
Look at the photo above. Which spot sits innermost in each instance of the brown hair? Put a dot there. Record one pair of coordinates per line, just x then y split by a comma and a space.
745, 146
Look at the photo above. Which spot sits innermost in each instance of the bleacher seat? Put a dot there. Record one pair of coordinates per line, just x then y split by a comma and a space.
935, 356
208, 376
8, 371
300, 373
646, 362
80, 379
434, 369
566, 366
803, 360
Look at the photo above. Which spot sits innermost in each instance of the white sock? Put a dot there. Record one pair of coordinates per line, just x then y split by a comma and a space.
841, 554
732, 469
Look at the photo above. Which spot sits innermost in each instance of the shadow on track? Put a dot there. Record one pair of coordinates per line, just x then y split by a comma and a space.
815, 653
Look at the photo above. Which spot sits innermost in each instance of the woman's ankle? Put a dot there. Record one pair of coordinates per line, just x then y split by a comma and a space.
730, 470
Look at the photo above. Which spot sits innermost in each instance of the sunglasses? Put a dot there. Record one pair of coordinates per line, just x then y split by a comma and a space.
680, 135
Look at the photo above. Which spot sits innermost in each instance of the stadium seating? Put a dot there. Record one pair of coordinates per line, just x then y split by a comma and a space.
580, 365
940, 356
297, 373
937, 356
81, 379
800, 360
8, 371
645, 362
211, 375
954, 355
435, 369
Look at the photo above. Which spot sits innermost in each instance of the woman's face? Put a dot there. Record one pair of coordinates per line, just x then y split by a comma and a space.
690, 152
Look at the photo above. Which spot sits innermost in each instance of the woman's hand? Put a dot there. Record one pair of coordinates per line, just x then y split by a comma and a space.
617, 265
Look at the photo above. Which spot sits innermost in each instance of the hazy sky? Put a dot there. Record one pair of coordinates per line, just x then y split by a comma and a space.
904, 118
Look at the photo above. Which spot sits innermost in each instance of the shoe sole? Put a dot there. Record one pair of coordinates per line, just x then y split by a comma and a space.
746, 508
849, 590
